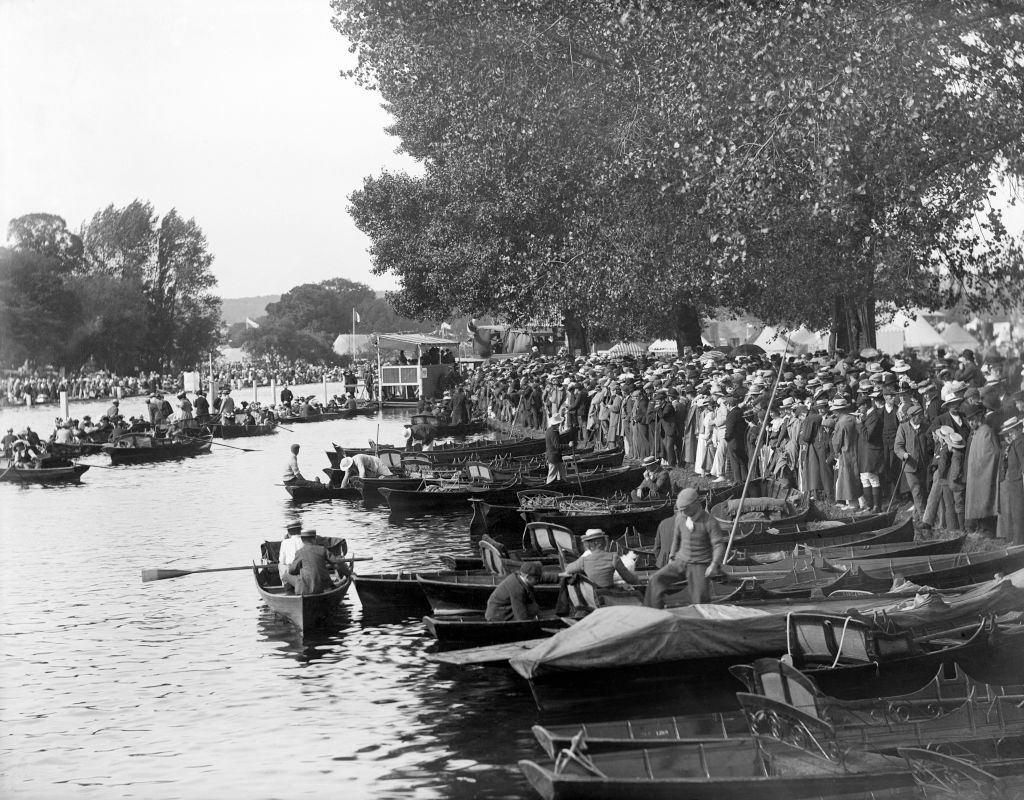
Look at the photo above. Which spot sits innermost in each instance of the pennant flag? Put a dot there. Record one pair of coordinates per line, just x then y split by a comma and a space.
355, 316
251, 323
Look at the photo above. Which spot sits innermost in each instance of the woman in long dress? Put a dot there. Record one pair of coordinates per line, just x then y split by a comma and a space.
705, 424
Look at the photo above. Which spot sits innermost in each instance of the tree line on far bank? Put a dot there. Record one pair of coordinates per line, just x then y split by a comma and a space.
132, 290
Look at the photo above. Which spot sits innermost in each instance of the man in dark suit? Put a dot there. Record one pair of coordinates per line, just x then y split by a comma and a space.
912, 447
513, 598
736, 440
553, 449
312, 564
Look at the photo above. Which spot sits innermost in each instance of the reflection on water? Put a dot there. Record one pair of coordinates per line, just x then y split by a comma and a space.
191, 687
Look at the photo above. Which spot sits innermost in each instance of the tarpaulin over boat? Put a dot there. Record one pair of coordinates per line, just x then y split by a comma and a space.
620, 636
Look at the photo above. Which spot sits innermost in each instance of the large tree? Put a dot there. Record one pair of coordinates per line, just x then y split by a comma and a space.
36, 308
627, 163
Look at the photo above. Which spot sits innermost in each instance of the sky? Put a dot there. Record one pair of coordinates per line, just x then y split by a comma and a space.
232, 111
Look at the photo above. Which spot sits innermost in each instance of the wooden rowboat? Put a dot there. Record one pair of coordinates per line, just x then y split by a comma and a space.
304, 611
31, 472
474, 630
768, 504
142, 448
324, 491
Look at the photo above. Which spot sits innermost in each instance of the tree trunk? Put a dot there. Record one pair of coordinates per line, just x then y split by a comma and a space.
575, 335
688, 328
853, 324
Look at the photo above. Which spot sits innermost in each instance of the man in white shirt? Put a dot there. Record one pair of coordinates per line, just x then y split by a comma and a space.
292, 475
289, 547
365, 465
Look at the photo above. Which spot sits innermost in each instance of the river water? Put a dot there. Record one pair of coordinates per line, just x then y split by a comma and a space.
191, 688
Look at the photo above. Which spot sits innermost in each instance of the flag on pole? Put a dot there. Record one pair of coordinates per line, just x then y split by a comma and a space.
446, 328
251, 323
355, 316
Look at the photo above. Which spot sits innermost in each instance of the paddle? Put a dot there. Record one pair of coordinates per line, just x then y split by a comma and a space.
220, 444
161, 574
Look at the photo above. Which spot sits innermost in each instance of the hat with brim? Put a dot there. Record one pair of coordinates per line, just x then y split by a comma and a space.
556, 419
650, 461
1010, 424
956, 441
900, 366
309, 533
593, 534
839, 404
345, 463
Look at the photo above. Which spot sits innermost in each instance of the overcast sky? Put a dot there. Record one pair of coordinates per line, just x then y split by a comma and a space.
231, 111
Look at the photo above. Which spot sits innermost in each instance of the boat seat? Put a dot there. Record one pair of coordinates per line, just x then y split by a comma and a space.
492, 558
391, 458
549, 537
582, 593
478, 471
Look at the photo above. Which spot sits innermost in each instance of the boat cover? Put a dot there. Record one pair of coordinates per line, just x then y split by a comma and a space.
622, 636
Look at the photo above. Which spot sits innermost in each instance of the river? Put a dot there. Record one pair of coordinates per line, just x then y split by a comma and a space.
191, 688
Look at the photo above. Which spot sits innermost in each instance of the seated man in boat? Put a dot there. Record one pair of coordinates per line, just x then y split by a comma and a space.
657, 483
63, 433
698, 549
422, 433
292, 474
363, 465
513, 598
290, 545
247, 417
312, 564
351, 404
599, 563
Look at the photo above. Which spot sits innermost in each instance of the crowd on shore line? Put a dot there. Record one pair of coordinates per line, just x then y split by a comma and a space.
851, 429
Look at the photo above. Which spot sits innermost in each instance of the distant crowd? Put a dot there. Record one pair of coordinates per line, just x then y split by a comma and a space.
853, 429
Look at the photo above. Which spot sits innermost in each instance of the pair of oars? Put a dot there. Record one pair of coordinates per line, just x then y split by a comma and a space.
162, 574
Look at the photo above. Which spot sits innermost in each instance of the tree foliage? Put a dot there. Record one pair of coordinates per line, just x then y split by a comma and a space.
617, 161
307, 319
132, 291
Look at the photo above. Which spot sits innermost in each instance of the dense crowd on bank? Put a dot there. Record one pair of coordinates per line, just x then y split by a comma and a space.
853, 430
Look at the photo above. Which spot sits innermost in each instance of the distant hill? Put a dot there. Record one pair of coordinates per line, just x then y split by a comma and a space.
236, 309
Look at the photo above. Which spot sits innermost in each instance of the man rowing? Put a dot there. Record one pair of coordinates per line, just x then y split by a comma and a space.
292, 475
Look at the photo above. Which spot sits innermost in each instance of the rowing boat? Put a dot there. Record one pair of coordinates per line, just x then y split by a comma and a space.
140, 448
31, 472
769, 504
304, 611
474, 630
312, 492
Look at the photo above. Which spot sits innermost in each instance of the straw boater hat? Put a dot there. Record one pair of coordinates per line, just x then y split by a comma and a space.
345, 463
1010, 424
956, 441
310, 533
900, 366
839, 404
592, 534
651, 461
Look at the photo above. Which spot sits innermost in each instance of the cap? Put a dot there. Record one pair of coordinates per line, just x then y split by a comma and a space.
687, 497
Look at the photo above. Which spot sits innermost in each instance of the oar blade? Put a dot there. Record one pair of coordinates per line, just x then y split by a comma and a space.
158, 574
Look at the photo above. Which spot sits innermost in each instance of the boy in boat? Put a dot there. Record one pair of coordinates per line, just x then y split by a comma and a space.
292, 475
513, 598
599, 563
365, 465
311, 567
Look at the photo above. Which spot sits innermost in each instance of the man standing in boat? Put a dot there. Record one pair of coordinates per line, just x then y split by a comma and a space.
513, 598
553, 449
698, 549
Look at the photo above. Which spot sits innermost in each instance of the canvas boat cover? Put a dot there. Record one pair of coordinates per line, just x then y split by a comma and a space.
621, 636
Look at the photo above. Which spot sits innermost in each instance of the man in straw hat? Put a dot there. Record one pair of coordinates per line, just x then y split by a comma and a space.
599, 564
697, 552
311, 567
657, 483
1011, 487
553, 449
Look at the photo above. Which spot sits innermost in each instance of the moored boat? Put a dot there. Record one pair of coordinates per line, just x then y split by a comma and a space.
325, 491
474, 630
304, 611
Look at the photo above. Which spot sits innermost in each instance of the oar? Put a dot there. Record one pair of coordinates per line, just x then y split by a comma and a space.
220, 444
161, 574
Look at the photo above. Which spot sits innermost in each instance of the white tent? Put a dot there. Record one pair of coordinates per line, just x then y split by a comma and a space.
801, 340
958, 338
916, 333
628, 348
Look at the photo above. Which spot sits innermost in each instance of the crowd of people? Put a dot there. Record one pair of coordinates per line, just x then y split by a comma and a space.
855, 430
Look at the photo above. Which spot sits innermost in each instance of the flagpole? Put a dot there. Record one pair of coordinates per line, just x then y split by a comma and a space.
352, 341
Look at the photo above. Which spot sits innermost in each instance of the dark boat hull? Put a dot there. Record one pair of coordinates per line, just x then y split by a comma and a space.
468, 594
474, 630
310, 494
219, 431
146, 455
71, 474
305, 612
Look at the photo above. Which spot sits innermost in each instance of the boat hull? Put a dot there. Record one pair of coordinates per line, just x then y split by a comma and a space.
146, 455
42, 475
474, 630
305, 612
